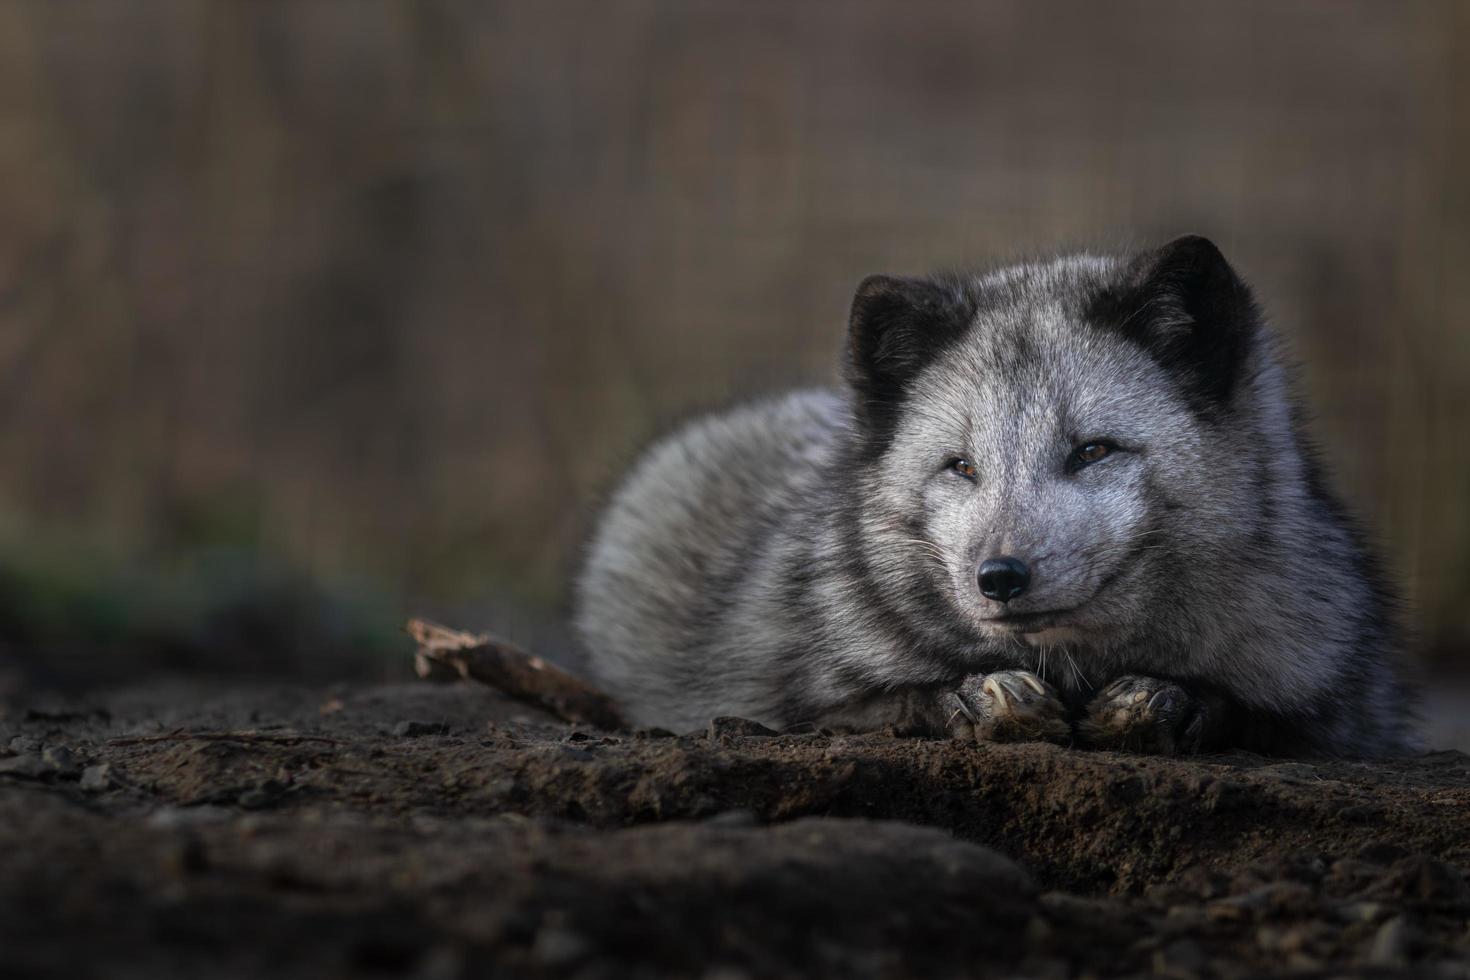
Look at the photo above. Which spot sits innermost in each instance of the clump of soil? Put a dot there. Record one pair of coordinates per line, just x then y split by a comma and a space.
445, 831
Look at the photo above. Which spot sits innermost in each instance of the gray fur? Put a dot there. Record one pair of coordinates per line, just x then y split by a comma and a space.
811, 560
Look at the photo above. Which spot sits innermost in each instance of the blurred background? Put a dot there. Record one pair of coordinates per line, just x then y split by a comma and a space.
316, 314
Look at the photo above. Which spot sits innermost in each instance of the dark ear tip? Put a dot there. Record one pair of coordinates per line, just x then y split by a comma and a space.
878, 296
876, 285
1187, 258
1192, 248
1192, 242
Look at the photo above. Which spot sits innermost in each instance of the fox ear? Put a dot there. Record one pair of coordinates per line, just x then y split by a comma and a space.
1187, 307
898, 325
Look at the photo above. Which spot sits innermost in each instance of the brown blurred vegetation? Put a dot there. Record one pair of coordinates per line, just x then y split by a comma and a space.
386, 292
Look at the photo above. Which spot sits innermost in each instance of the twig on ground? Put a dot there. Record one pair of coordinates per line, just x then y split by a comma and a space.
512, 671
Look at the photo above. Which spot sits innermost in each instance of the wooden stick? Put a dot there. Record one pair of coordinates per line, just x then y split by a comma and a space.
512, 671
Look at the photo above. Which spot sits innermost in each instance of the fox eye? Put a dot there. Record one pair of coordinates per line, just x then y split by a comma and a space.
964, 468
1090, 452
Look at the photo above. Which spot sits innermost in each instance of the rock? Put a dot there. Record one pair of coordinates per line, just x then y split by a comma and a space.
262, 795
866, 886
1390, 943
1362, 911
61, 762
25, 745
97, 778
729, 725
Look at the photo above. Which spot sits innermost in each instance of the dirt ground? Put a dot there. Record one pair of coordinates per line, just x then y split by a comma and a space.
432, 831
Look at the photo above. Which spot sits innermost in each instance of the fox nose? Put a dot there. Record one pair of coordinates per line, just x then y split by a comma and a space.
1003, 578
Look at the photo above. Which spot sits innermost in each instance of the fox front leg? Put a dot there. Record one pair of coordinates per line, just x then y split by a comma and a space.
1006, 706
1146, 714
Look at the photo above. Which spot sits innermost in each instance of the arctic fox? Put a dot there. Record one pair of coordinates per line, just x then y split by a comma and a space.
1067, 500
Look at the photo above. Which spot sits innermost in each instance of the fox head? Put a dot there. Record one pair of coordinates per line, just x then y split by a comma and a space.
1046, 453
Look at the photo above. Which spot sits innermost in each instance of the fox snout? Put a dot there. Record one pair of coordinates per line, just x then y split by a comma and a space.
1003, 578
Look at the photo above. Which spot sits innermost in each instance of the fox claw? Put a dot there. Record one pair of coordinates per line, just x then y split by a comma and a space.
1007, 706
1144, 714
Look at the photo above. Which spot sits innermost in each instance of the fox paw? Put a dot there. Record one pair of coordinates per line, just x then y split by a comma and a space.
1144, 714
1007, 706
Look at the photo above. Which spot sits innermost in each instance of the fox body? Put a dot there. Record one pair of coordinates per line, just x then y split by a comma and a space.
1068, 499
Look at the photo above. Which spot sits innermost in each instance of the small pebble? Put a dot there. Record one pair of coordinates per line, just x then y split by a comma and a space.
25, 745
97, 778
1390, 943
262, 795
1363, 911
62, 762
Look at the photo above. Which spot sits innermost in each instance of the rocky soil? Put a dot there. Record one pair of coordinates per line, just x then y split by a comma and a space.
443, 831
